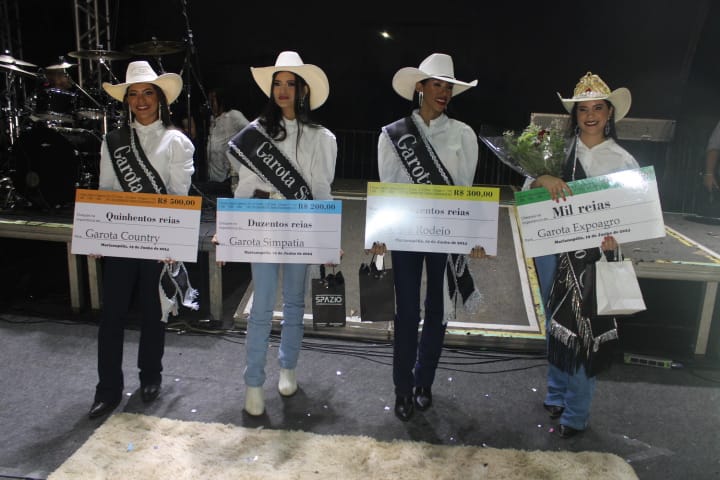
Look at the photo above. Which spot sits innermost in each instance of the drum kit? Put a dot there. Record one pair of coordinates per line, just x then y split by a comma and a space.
51, 128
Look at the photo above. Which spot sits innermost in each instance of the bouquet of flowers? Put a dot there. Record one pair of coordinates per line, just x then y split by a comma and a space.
536, 151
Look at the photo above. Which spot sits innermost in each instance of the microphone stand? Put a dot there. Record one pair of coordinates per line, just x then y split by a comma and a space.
192, 74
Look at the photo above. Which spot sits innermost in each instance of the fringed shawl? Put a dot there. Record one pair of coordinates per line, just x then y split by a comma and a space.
577, 336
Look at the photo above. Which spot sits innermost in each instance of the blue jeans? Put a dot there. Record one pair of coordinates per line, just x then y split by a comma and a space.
545, 266
574, 391
265, 282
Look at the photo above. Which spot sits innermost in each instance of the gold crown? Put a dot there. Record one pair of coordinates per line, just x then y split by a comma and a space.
591, 86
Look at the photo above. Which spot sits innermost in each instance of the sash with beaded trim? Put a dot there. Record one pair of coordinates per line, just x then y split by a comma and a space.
254, 148
416, 153
134, 174
138, 175
422, 164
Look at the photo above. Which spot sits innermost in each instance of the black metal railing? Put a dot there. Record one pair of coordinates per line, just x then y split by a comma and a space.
357, 159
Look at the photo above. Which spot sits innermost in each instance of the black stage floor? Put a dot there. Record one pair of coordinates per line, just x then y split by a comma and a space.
665, 422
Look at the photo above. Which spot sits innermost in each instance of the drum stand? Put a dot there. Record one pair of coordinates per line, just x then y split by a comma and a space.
10, 109
10, 120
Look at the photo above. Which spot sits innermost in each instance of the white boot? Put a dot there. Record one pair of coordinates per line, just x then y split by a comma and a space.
254, 401
287, 384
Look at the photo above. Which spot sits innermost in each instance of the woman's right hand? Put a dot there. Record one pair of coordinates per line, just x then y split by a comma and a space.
216, 242
554, 185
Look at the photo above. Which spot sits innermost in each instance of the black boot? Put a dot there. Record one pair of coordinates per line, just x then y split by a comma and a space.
423, 398
404, 407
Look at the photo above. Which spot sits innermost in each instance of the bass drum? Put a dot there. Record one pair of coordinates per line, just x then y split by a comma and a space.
50, 163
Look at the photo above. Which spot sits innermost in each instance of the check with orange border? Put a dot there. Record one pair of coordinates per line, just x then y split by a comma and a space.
136, 225
432, 218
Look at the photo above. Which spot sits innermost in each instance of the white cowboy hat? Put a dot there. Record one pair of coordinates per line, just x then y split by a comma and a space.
591, 87
141, 72
437, 65
291, 62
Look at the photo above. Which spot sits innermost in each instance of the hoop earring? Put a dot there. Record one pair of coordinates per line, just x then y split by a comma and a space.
420, 99
607, 128
302, 103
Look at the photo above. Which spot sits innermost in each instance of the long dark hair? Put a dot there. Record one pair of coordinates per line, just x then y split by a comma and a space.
163, 107
271, 116
221, 97
574, 129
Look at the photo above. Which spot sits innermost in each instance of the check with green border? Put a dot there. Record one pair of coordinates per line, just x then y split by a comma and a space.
623, 204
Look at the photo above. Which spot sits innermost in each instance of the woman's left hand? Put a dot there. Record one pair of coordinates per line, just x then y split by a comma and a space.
378, 248
478, 252
608, 244
330, 264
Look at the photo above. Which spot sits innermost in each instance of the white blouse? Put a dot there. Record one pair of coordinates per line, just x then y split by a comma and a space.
313, 156
222, 129
169, 151
454, 141
606, 157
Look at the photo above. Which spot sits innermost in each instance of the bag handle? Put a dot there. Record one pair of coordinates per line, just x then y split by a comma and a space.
618, 254
331, 279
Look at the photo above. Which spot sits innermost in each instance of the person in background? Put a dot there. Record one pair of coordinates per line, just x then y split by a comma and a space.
58, 77
304, 153
712, 153
146, 155
224, 124
580, 343
709, 179
447, 154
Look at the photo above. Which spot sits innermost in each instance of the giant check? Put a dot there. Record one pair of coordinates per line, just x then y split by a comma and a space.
278, 231
432, 218
624, 204
136, 225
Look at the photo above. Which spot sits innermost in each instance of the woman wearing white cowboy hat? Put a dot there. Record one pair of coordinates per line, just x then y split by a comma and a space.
431, 87
566, 279
147, 155
304, 153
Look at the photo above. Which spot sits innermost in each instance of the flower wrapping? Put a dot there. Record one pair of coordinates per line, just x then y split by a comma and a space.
535, 151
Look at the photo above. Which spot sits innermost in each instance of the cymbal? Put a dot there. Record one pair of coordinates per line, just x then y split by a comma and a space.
15, 61
60, 66
17, 69
156, 48
99, 54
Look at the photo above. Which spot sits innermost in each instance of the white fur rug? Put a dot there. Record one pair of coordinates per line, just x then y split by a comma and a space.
132, 446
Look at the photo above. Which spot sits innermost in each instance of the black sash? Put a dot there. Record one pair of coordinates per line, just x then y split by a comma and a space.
256, 150
421, 164
424, 166
135, 174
